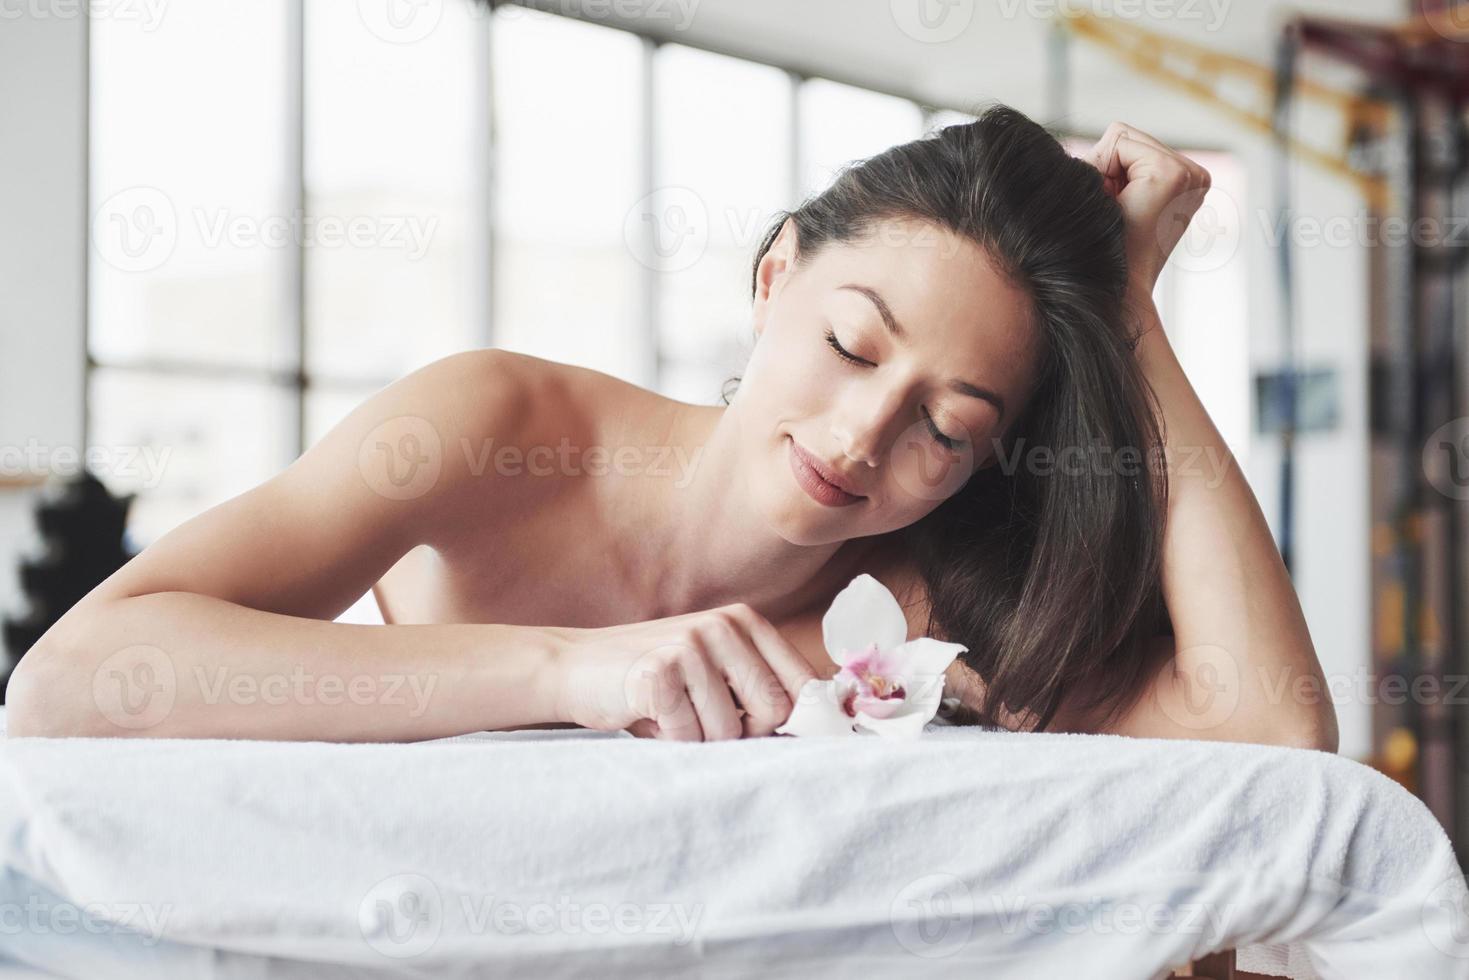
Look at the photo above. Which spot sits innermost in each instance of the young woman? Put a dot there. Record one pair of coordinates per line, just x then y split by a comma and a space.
960, 386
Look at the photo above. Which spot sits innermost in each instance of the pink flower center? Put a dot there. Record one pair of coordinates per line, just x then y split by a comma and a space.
870, 682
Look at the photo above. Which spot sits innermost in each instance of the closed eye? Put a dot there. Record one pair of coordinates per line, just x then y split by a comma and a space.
831, 340
846, 355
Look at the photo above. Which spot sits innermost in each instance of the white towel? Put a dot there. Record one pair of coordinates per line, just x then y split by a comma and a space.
965, 852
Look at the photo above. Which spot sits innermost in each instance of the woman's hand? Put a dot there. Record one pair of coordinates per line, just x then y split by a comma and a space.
1159, 189
715, 674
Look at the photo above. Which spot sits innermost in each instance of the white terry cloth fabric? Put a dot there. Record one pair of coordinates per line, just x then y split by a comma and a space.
560, 853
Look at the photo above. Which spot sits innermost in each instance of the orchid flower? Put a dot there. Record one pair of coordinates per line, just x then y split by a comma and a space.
885, 686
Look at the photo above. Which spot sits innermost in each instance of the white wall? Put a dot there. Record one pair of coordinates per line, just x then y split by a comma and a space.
43, 233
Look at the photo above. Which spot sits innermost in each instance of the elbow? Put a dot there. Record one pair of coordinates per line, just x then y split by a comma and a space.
61, 689
43, 698
1322, 740
1319, 732
24, 694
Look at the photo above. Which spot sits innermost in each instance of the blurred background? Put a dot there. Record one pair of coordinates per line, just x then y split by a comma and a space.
223, 225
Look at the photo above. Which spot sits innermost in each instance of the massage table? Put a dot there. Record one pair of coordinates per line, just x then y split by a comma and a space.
566, 853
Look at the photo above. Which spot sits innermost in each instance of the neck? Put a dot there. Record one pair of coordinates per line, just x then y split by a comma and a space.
702, 544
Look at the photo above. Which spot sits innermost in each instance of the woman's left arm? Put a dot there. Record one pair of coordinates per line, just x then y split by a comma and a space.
1243, 666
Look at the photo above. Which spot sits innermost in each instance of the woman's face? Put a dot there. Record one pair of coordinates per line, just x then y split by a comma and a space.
946, 360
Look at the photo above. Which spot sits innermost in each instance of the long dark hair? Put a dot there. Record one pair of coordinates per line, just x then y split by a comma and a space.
1050, 576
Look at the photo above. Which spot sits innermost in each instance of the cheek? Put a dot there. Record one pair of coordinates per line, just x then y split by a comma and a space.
924, 474
899, 507
793, 373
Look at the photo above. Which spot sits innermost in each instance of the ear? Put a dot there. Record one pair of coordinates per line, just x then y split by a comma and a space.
775, 265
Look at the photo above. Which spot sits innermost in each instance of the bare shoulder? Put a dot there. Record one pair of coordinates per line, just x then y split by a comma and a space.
506, 416
493, 399
456, 437
581, 404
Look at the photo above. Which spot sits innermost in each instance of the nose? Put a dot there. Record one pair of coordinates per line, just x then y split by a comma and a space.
857, 453
861, 426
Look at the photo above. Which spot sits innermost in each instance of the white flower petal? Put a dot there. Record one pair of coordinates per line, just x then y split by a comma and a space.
926, 655
926, 696
862, 614
919, 708
817, 711
908, 724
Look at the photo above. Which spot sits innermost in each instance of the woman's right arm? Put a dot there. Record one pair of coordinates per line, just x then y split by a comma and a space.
222, 628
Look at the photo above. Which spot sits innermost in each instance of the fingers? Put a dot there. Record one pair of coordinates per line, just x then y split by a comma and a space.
790, 667
1136, 136
705, 685
778, 674
1174, 170
1126, 153
1103, 156
761, 703
680, 695
724, 673
672, 712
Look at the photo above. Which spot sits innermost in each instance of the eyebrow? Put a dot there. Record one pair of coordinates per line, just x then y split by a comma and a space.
896, 329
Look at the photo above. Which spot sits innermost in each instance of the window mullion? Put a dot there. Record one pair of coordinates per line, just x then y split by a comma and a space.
486, 177
793, 147
652, 332
294, 269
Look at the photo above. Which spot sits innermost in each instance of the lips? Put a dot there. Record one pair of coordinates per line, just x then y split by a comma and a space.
827, 473
818, 480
